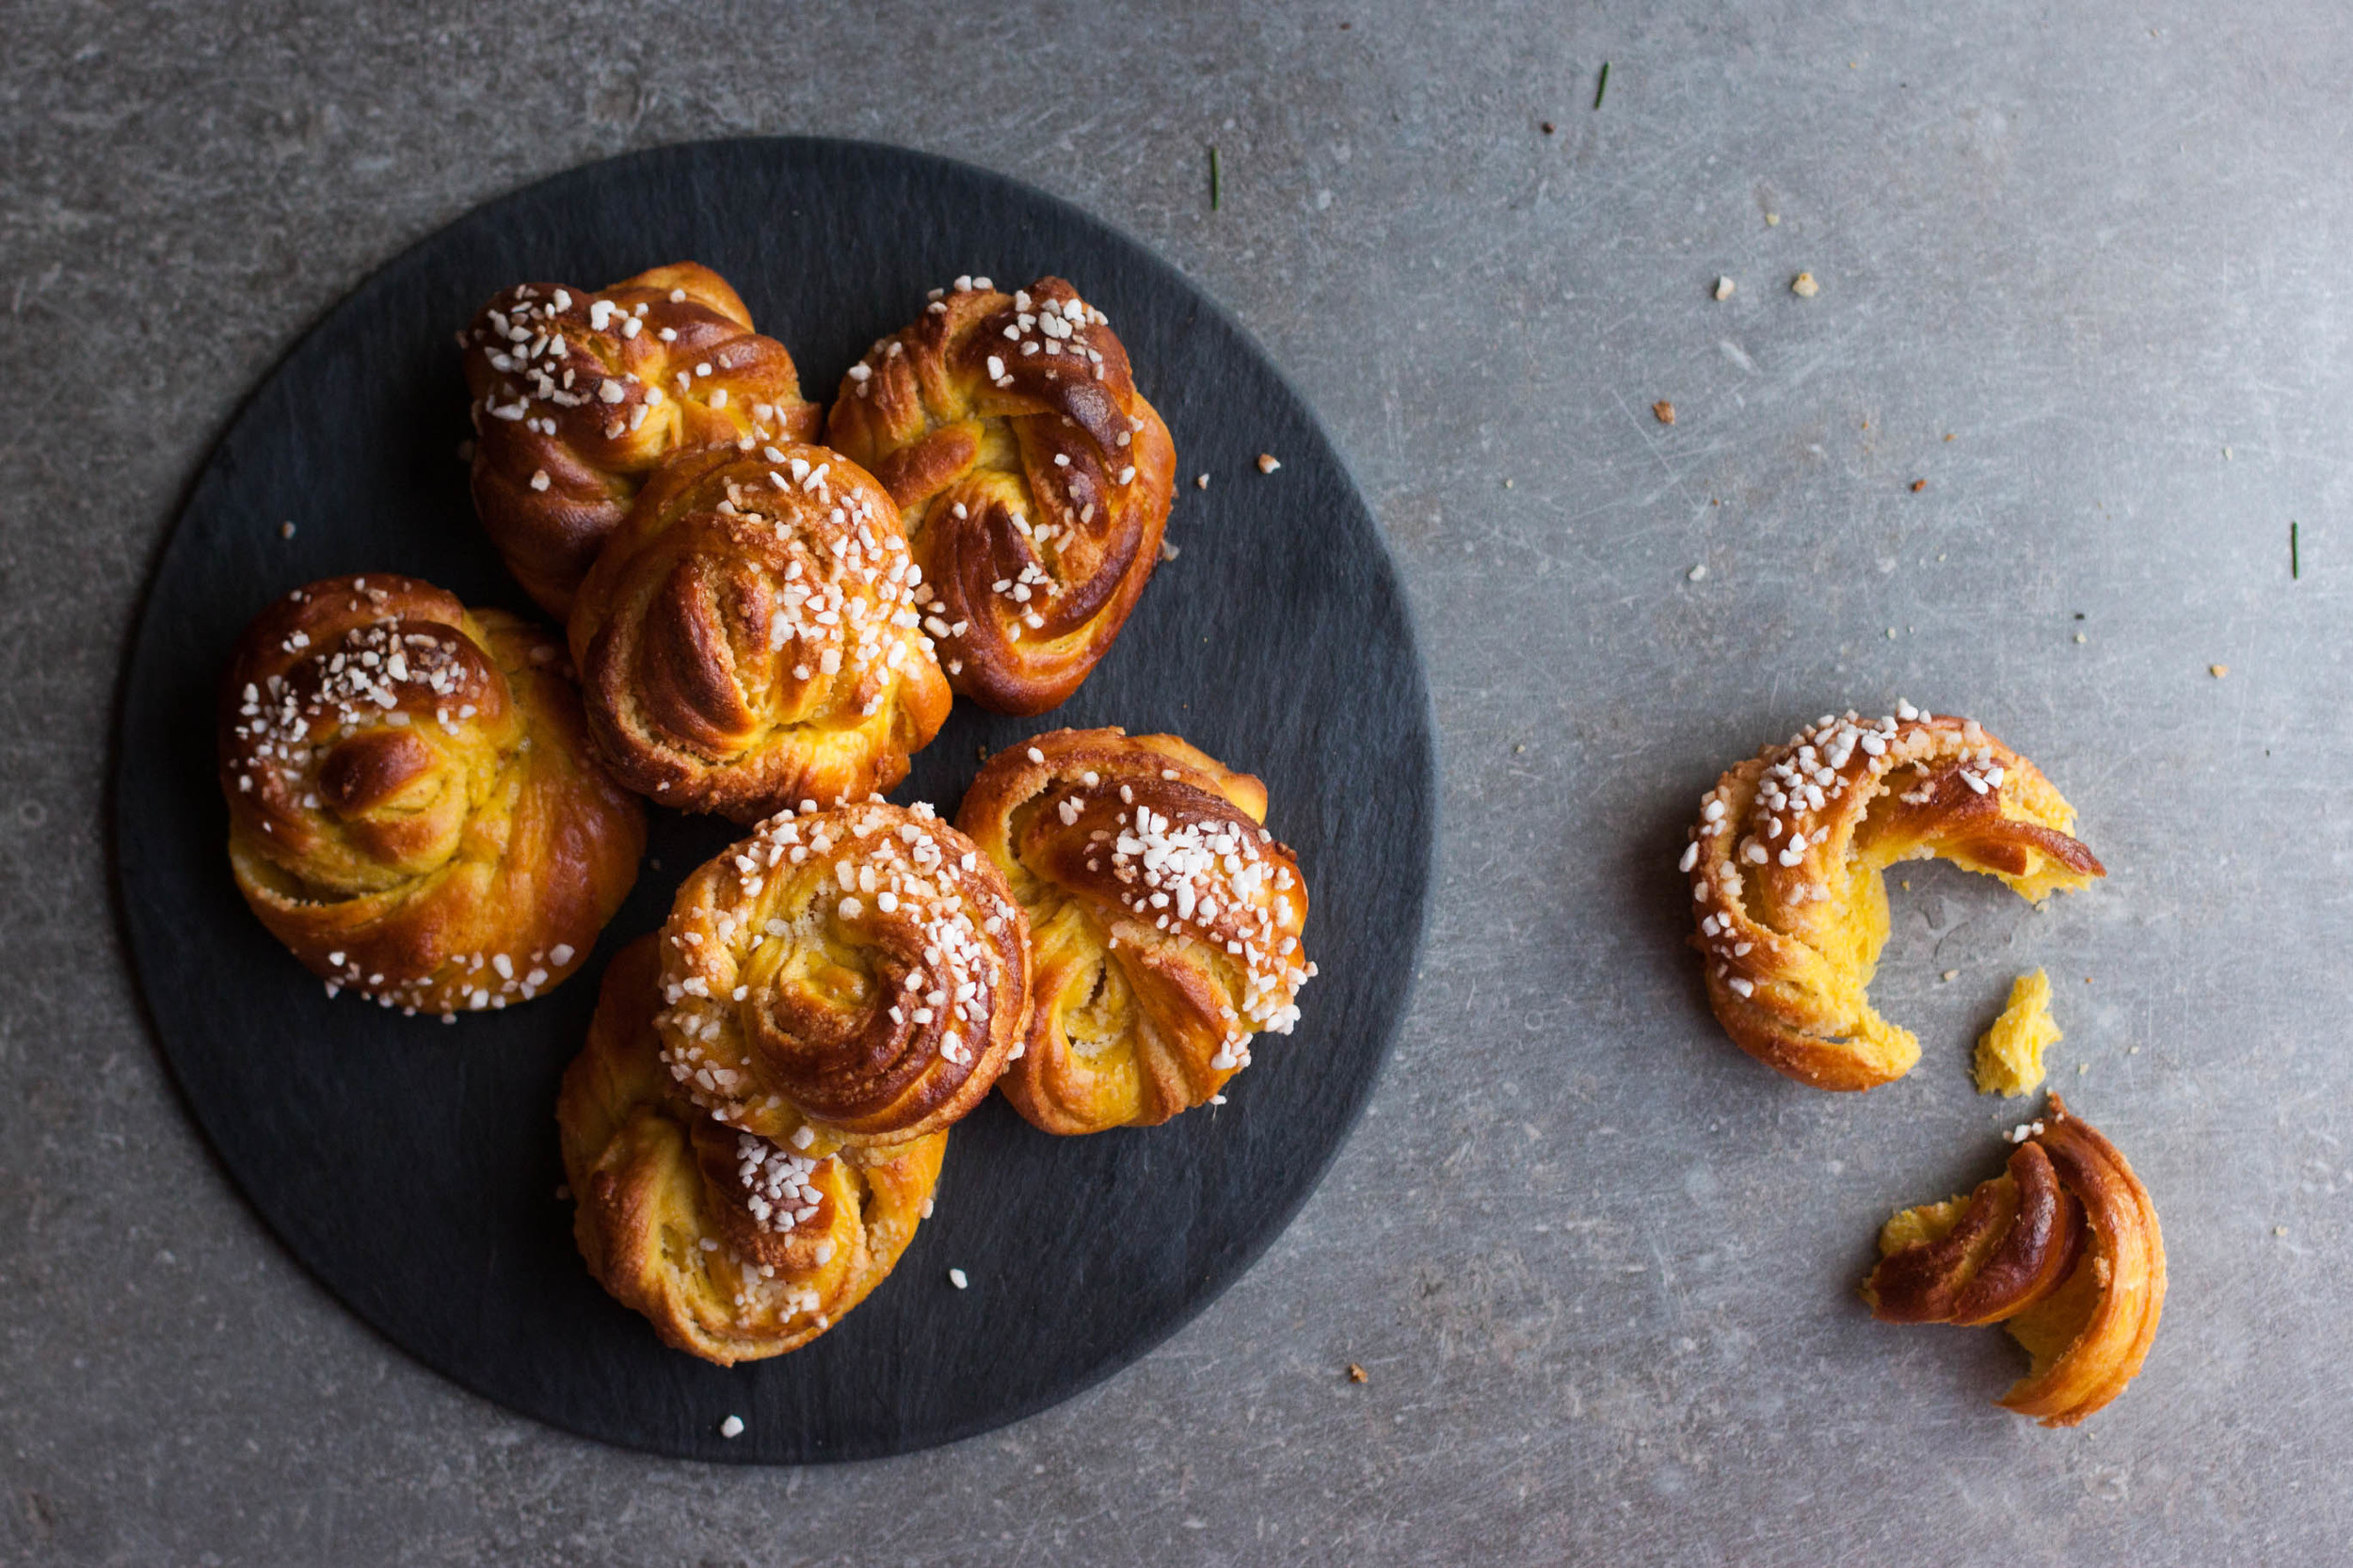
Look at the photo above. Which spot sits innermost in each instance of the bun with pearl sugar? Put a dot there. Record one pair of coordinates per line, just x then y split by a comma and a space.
748, 638
1785, 869
1035, 480
844, 978
580, 394
1164, 921
413, 806
734, 1247
2062, 1249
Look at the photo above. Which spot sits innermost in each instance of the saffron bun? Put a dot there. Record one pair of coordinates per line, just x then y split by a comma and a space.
735, 1248
414, 810
2063, 1249
581, 394
1164, 921
1785, 869
844, 978
1035, 478
748, 639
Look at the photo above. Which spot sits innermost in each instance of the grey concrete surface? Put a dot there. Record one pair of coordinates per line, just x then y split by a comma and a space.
1598, 1266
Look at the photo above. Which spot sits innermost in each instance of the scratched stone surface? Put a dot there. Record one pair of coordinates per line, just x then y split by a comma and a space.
1597, 1266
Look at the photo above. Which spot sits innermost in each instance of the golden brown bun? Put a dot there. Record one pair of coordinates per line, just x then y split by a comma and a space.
413, 808
714, 1234
861, 971
2063, 1248
1791, 937
747, 638
1036, 481
1164, 921
573, 406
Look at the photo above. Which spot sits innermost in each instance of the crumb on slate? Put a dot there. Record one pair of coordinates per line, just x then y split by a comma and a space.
1663, 412
1803, 286
1356, 1373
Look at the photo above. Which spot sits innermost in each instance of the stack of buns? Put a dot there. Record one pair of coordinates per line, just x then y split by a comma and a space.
441, 807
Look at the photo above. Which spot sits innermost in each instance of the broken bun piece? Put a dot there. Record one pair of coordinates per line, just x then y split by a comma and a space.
1785, 867
2062, 1249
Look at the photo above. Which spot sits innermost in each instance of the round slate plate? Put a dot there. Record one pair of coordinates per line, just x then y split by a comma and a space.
412, 1165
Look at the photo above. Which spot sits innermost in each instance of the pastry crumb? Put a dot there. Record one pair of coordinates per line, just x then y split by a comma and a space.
2010, 1054
285, 530
1358, 1374
1697, 574
1268, 462
1169, 552
1663, 412
1201, 482
1725, 287
956, 1277
731, 1427
1950, 975
2217, 671
1803, 286
1919, 485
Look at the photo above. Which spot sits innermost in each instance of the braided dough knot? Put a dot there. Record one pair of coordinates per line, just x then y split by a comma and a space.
1034, 477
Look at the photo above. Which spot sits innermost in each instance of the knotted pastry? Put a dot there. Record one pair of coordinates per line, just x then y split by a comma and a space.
1785, 868
1035, 478
734, 1247
579, 394
1164, 921
2062, 1249
748, 639
413, 808
845, 979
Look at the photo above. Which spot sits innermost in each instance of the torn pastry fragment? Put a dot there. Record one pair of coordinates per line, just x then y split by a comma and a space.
2010, 1054
1785, 866
2062, 1249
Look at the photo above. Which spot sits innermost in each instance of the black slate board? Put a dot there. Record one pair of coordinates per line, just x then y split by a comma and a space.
412, 1165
